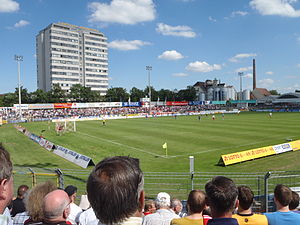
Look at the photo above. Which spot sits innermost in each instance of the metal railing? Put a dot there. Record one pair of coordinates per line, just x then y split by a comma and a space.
176, 184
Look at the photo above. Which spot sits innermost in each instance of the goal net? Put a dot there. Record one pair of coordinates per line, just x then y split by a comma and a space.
64, 126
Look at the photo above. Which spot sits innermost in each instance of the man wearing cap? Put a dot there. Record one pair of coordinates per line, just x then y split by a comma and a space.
75, 210
164, 214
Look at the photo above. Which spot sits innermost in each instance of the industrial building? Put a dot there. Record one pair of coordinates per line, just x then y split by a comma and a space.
214, 90
68, 55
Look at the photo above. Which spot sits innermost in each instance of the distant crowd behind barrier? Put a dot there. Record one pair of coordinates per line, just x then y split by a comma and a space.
40, 112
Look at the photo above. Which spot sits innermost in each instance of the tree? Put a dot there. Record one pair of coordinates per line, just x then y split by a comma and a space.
166, 95
274, 92
136, 94
25, 97
10, 99
188, 94
39, 96
117, 94
154, 93
57, 94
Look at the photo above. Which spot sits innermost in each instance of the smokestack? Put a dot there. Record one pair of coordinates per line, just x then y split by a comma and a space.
254, 75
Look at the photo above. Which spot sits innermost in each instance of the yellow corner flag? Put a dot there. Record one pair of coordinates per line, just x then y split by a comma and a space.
165, 146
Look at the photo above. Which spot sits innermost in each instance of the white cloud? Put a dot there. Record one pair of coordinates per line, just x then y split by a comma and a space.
170, 55
122, 11
124, 45
269, 73
21, 23
8, 6
179, 75
182, 31
210, 18
241, 56
265, 82
239, 13
243, 69
248, 75
202, 67
275, 7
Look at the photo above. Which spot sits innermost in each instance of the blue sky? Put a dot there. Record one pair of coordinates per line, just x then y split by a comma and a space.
184, 41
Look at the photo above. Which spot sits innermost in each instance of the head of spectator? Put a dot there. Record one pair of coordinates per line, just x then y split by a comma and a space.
176, 205
294, 202
282, 197
222, 196
18, 205
72, 192
115, 189
149, 207
34, 200
56, 206
245, 198
163, 201
22, 189
6, 179
196, 202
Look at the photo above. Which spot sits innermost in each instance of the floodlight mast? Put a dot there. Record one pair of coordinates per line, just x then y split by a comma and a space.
19, 58
149, 68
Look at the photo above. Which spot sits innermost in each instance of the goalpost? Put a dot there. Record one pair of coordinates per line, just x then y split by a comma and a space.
64, 126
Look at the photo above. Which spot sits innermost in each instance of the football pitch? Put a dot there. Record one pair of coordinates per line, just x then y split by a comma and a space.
205, 139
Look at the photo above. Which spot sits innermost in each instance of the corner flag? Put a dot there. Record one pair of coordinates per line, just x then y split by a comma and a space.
165, 146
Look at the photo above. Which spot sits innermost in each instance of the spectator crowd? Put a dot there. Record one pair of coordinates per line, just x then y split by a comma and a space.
39, 114
116, 196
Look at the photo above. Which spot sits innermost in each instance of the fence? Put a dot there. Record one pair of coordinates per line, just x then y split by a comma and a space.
176, 184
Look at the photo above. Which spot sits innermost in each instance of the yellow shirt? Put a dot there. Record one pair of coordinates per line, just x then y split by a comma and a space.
187, 221
251, 219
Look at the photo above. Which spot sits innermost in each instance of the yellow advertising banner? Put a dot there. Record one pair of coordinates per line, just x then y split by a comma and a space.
259, 152
247, 155
295, 145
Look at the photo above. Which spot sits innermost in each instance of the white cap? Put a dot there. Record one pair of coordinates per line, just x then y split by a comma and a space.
84, 202
163, 197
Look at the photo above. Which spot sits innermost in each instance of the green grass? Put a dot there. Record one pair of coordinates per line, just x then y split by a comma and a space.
206, 140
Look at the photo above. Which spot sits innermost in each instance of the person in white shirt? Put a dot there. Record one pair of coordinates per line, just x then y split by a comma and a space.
88, 217
75, 210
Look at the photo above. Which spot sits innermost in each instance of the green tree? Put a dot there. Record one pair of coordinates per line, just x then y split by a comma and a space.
154, 93
188, 94
117, 94
274, 92
57, 95
10, 99
25, 97
166, 95
39, 96
136, 94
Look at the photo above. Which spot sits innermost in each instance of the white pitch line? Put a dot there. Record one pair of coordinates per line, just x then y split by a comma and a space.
120, 144
216, 149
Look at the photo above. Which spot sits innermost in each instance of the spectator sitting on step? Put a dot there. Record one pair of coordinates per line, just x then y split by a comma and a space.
222, 199
33, 204
282, 199
164, 214
177, 207
244, 213
195, 205
149, 207
56, 208
115, 190
75, 210
18, 205
293, 206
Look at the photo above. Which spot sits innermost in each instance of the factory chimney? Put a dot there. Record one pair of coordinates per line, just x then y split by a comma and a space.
254, 75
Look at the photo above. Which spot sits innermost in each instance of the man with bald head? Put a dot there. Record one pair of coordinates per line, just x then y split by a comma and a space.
56, 208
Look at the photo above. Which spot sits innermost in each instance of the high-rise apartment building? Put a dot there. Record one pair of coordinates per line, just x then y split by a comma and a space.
69, 54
